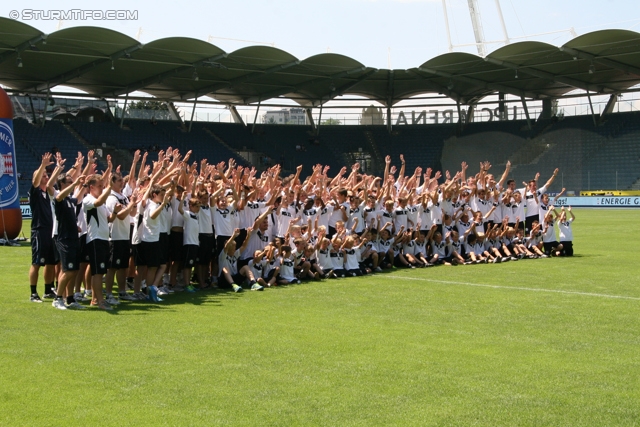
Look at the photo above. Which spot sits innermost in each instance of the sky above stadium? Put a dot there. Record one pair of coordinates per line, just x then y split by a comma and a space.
378, 33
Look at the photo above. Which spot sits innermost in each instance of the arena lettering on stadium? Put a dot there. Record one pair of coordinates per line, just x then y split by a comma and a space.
434, 116
610, 202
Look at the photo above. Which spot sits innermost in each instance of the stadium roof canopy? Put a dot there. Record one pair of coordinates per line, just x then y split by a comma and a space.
106, 63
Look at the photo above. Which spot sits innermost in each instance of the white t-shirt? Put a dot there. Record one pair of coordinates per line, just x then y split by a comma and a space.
191, 228
165, 219
337, 260
204, 220
251, 211
224, 220
257, 268
549, 234
286, 269
439, 248
177, 220
257, 242
323, 216
324, 260
120, 228
400, 218
97, 219
566, 234
229, 261
532, 204
351, 259
150, 227
336, 214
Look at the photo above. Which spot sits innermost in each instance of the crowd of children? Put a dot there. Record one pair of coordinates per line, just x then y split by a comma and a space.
168, 225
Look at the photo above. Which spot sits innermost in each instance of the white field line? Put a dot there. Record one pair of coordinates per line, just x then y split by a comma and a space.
517, 288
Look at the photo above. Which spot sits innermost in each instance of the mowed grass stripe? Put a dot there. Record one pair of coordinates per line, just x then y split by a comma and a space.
517, 288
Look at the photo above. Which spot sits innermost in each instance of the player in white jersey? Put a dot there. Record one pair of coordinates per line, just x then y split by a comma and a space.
549, 240
229, 273
190, 237
119, 241
533, 195
258, 239
98, 218
566, 234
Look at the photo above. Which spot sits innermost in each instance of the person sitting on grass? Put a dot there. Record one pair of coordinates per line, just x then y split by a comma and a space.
229, 276
566, 234
287, 262
549, 241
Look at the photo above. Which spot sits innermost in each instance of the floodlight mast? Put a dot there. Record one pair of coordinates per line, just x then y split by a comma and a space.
476, 22
504, 27
478, 32
446, 24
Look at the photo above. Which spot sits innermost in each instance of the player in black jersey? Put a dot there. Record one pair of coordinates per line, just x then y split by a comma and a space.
42, 249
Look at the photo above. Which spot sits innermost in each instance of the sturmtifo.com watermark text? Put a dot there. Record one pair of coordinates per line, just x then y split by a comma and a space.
74, 15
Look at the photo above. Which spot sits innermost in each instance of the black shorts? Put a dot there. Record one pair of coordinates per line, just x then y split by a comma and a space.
238, 279
164, 248
175, 250
119, 253
567, 248
205, 249
528, 222
548, 247
189, 255
84, 252
98, 256
148, 254
69, 251
270, 274
219, 245
42, 248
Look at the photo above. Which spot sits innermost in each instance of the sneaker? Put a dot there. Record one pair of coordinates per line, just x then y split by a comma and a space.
236, 288
506, 259
152, 291
130, 283
78, 297
497, 260
161, 291
257, 287
59, 304
35, 298
139, 296
126, 297
87, 293
75, 306
514, 258
50, 295
190, 289
177, 288
544, 256
104, 306
112, 300
378, 270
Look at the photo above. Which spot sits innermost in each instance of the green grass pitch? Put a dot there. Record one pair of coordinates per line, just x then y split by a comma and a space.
550, 342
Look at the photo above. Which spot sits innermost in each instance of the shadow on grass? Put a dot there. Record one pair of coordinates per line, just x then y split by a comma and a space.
209, 297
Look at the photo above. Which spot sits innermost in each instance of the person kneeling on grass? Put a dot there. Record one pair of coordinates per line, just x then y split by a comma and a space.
229, 276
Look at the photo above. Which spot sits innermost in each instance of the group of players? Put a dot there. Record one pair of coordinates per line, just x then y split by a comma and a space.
169, 223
